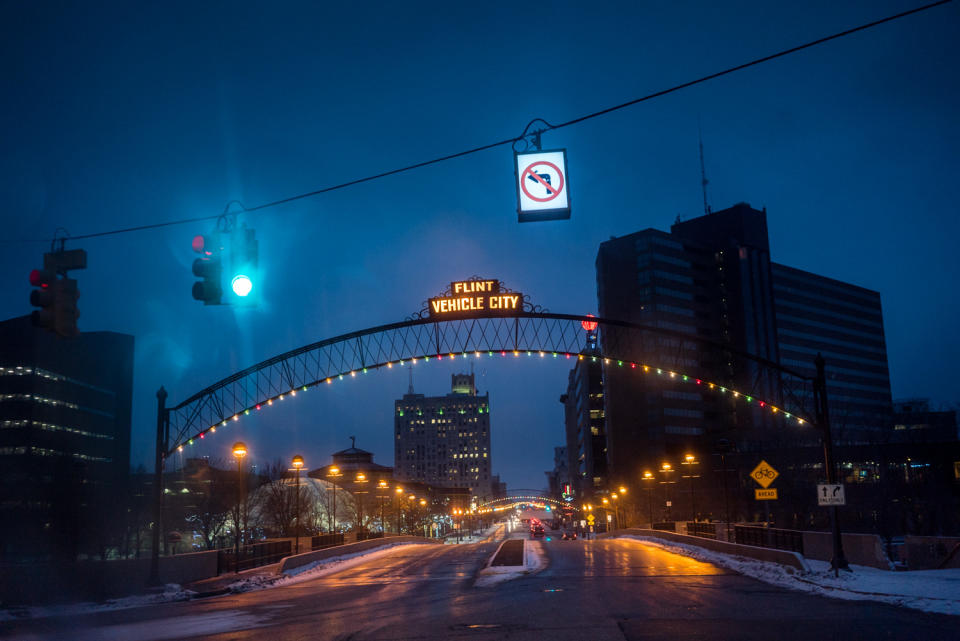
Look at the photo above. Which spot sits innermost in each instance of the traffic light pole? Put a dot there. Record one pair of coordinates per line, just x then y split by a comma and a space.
161, 449
839, 561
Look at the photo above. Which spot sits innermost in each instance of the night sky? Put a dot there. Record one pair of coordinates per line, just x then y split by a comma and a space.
116, 115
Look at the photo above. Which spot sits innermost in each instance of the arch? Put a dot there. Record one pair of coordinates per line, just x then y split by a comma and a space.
523, 333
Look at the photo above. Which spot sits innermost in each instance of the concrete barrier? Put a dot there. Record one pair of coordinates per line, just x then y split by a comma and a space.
299, 560
782, 557
860, 549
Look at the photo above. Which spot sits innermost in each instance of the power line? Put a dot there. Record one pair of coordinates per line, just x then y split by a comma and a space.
514, 140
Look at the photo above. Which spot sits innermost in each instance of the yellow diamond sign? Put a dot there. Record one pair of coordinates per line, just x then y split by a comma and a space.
590, 518
764, 474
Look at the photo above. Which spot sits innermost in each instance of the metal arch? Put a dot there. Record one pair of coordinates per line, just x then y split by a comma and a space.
357, 352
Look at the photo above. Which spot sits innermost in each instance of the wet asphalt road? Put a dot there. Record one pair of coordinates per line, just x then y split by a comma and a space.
594, 590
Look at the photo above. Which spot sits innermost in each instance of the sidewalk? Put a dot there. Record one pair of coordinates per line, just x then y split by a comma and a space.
927, 590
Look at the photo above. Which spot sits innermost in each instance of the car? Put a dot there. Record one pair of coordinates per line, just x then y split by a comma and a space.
537, 532
569, 535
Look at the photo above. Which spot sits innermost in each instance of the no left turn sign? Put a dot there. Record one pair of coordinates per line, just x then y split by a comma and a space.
542, 185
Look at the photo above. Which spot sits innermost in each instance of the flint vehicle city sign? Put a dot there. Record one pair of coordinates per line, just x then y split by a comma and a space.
475, 296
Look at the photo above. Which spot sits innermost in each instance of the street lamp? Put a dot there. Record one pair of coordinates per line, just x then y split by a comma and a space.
399, 493
239, 451
334, 473
360, 480
297, 464
666, 469
382, 486
648, 476
690, 460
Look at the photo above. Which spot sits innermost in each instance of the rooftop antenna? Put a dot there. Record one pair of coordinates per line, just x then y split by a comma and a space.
353, 442
703, 171
410, 389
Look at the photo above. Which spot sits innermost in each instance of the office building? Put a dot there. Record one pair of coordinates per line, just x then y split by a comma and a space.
444, 441
712, 279
584, 421
64, 440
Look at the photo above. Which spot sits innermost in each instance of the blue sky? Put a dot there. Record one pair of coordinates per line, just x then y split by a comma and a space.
117, 114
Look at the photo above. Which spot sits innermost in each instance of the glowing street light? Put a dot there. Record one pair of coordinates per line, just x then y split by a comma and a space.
239, 452
297, 464
334, 473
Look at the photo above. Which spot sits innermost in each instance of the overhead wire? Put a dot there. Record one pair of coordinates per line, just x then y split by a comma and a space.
514, 140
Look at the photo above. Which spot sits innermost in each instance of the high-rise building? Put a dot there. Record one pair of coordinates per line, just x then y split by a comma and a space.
445, 440
64, 439
712, 278
584, 421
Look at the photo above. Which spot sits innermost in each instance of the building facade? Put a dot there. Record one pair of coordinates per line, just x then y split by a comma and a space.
444, 441
712, 279
65, 409
585, 422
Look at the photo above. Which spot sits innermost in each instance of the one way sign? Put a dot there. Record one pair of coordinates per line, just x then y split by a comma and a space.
830, 494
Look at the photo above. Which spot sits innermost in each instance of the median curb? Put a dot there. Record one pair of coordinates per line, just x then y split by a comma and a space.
771, 555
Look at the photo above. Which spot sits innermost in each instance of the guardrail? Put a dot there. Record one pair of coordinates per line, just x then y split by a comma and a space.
323, 541
777, 539
703, 530
252, 556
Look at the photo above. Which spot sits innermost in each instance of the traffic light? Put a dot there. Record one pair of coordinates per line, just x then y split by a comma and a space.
44, 298
242, 277
56, 295
209, 267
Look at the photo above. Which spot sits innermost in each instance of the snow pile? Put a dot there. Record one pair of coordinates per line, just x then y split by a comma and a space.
927, 590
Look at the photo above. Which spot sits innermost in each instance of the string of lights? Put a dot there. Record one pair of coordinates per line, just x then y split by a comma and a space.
640, 367
513, 140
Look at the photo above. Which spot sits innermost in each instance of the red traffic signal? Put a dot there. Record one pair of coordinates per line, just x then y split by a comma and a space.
209, 268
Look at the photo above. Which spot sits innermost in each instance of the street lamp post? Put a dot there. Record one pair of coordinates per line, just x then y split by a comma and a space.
397, 495
297, 464
239, 451
623, 514
382, 486
690, 460
334, 473
666, 469
360, 480
648, 476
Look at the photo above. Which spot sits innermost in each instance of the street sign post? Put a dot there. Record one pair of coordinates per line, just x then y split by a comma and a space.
764, 474
830, 494
543, 191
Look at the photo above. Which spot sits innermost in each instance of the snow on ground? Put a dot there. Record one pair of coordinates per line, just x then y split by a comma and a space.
173, 592
534, 560
927, 590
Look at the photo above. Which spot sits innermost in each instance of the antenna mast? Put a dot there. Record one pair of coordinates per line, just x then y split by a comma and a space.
703, 171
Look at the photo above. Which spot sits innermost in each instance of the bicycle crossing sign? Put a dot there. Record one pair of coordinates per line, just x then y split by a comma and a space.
764, 474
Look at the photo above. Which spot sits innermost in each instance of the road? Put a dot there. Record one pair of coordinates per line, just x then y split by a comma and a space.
591, 590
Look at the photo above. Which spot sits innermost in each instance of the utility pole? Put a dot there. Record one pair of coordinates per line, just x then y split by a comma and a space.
839, 561
160, 455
